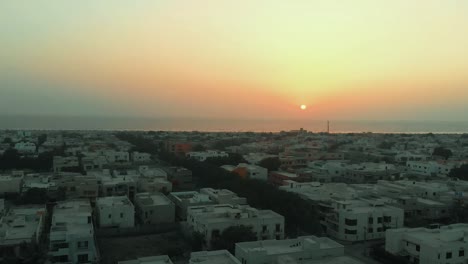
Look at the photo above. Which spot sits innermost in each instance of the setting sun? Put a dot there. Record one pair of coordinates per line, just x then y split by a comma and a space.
303, 107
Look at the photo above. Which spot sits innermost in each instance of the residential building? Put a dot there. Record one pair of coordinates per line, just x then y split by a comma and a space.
447, 244
181, 178
118, 185
223, 196
183, 200
10, 184
279, 178
149, 260
72, 233
115, 211
25, 147
213, 257
203, 155
152, 185
306, 249
140, 156
116, 156
62, 163
21, 225
178, 148
360, 219
154, 208
78, 186
248, 171
212, 220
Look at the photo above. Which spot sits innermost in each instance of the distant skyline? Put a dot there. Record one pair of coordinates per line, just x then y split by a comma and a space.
343, 59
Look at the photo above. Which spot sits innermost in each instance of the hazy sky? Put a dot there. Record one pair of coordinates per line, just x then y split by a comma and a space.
345, 59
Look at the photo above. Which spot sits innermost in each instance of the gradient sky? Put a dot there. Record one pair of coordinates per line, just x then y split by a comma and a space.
345, 59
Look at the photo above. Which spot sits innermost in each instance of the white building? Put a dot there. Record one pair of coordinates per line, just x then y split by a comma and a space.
140, 156
307, 249
223, 196
117, 156
183, 200
72, 233
25, 147
118, 185
203, 155
449, 244
10, 184
149, 260
115, 211
432, 168
248, 171
212, 220
358, 220
213, 257
60, 163
152, 185
21, 225
154, 208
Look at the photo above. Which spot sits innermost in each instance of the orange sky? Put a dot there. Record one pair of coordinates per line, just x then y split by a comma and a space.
365, 59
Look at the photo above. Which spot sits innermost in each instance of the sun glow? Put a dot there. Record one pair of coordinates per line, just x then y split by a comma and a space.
303, 107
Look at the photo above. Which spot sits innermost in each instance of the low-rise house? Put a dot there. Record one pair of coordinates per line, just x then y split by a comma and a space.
181, 178
447, 244
25, 147
183, 200
212, 220
21, 225
213, 257
115, 211
152, 185
154, 208
204, 155
223, 196
361, 219
10, 184
248, 171
72, 233
307, 249
140, 156
63, 163
148, 260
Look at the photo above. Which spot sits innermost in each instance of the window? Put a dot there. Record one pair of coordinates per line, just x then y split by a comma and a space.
121, 215
278, 228
461, 253
63, 258
350, 232
387, 219
370, 230
110, 216
448, 255
379, 229
82, 244
264, 228
371, 220
379, 220
350, 222
278, 237
83, 258
418, 248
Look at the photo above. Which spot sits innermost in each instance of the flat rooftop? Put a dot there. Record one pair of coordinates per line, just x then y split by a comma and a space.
149, 260
275, 247
112, 201
213, 257
152, 199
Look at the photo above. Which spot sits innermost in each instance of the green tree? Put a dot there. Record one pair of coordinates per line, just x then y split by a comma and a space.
442, 152
7, 141
459, 173
197, 241
198, 147
231, 236
272, 164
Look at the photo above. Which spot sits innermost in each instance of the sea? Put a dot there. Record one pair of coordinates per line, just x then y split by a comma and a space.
228, 124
